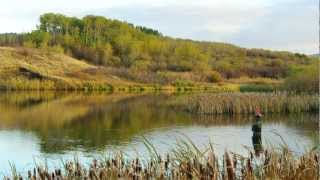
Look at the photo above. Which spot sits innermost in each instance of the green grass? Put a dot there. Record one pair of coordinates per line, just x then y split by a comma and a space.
257, 88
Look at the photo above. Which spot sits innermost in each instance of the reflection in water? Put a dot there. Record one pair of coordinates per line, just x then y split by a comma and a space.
256, 136
59, 123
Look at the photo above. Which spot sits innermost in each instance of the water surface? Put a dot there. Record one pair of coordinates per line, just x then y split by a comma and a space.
54, 126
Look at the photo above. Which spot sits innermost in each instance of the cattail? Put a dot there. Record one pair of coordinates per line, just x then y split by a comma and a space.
58, 172
189, 171
47, 175
249, 166
108, 164
230, 170
29, 174
52, 175
276, 165
166, 165
34, 172
95, 163
102, 174
234, 161
92, 174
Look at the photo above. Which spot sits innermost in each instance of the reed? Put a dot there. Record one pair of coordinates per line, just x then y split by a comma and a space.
245, 103
187, 161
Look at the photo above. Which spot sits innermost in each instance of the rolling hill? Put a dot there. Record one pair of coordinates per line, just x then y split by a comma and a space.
97, 52
26, 68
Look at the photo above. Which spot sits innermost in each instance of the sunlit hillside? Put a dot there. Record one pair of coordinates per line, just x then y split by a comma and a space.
26, 68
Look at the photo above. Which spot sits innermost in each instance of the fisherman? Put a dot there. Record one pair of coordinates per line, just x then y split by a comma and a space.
256, 130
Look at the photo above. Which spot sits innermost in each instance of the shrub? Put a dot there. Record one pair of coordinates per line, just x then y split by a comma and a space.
306, 80
214, 77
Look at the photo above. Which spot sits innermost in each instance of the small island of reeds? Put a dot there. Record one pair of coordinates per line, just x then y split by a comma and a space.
246, 103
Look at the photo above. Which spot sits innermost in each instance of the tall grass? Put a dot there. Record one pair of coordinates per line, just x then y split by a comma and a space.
245, 103
187, 161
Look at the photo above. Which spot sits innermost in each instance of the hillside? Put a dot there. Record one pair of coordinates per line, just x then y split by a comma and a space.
25, 68
111, 49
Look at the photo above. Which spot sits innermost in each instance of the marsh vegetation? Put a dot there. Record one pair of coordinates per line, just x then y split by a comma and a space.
187, 161
246, 103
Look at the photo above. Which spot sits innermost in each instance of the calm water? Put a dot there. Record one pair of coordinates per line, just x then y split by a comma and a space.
55, 126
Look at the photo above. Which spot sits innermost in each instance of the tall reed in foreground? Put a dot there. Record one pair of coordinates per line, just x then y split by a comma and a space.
187, 161
245, 103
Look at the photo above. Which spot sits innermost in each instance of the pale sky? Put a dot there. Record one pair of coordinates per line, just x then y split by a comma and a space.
290, 25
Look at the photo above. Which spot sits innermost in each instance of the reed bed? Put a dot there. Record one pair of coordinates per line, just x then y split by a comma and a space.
245, 103
186, 161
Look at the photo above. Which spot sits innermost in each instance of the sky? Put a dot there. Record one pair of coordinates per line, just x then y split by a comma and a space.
285, 25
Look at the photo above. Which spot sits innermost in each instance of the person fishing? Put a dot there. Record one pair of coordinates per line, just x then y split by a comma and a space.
256, 130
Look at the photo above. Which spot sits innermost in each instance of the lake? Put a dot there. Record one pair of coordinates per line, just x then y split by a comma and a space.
50, 126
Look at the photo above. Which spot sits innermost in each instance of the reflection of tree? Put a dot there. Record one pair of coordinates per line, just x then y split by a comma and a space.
112, 123
256, 136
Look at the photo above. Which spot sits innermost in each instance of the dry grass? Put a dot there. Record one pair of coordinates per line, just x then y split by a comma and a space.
186, 161
245, 103
32, 69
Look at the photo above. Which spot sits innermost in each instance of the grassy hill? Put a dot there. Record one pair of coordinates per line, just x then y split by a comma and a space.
25, 68
99, 53
34, 69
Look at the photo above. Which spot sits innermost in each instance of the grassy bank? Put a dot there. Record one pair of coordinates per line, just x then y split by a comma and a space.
45, 69
187, 161
245, 103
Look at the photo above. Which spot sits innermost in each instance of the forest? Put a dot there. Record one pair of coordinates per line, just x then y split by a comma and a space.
145, 55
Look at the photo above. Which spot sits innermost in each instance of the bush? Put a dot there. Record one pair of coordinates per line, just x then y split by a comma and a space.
214, 77
306, 80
